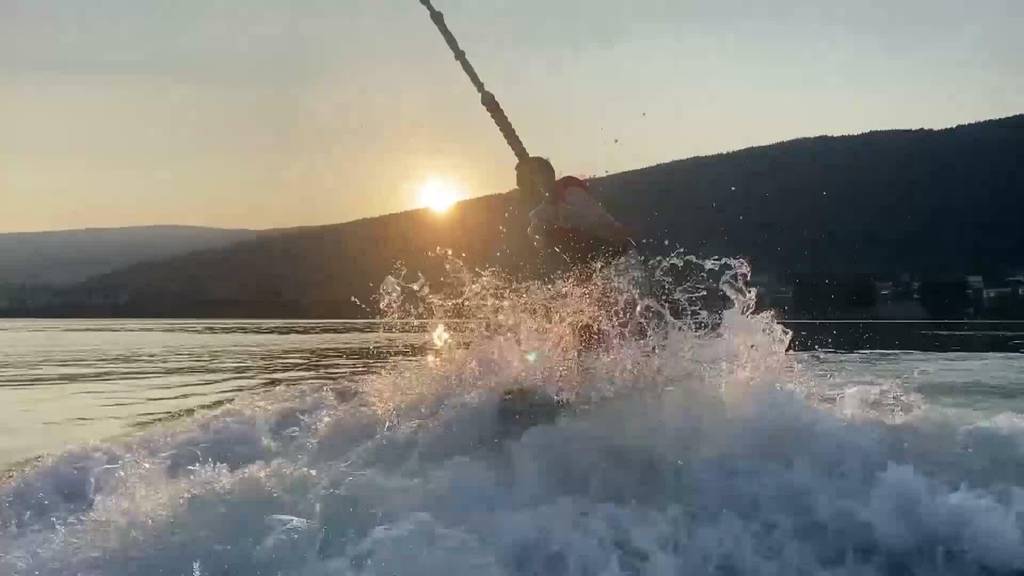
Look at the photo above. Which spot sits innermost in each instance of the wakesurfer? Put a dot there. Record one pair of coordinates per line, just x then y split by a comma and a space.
568, 219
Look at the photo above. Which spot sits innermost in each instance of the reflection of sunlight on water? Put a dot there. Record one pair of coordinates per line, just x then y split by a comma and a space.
82, 385
440, 336
684, 441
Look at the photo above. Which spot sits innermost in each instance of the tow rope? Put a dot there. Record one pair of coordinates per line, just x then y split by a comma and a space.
487, 98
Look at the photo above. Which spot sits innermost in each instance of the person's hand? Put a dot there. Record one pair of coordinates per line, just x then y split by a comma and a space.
535, 177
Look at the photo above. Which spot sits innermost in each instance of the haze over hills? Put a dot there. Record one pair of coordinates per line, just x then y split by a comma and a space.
68, 256
913, 204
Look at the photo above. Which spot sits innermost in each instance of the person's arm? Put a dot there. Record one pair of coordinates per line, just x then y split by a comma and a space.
582, 212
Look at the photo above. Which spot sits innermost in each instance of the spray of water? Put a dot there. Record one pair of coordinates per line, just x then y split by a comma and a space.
636, 418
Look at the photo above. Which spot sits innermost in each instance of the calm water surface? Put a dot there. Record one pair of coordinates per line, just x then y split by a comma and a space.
73, 381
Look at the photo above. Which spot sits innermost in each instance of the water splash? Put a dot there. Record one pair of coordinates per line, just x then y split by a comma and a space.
687, 442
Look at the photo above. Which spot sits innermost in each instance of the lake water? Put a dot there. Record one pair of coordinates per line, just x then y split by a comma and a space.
280, 447
73, 381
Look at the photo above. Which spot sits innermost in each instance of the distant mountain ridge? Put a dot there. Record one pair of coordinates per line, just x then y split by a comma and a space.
925, 204
65, 257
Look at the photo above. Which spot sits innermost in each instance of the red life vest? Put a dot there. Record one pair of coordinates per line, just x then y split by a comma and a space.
563, 184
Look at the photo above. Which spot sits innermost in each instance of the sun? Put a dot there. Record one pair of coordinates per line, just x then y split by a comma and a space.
438, 195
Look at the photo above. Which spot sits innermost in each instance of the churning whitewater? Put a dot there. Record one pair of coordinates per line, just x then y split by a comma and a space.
642, 419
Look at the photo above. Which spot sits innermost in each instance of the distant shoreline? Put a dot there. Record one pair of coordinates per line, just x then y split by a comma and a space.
998, 336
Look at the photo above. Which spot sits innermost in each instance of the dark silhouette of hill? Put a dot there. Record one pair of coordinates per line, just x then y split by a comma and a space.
68, 256
305, 272
928, 202
931, 204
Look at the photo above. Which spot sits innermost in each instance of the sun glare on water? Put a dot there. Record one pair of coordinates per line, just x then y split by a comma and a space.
438, 195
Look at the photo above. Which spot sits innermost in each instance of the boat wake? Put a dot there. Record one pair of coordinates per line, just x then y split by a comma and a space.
664, 431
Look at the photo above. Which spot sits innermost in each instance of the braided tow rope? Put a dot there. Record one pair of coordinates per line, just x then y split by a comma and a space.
487, 98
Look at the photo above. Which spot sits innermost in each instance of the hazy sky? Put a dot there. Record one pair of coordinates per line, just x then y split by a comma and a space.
260, 113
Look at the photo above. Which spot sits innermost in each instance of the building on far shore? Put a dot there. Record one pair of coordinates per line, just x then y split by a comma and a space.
862, 296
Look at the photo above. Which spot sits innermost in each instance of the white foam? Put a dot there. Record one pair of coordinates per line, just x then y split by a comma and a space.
690, 451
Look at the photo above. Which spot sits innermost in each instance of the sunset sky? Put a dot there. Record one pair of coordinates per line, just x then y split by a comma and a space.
259, 113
